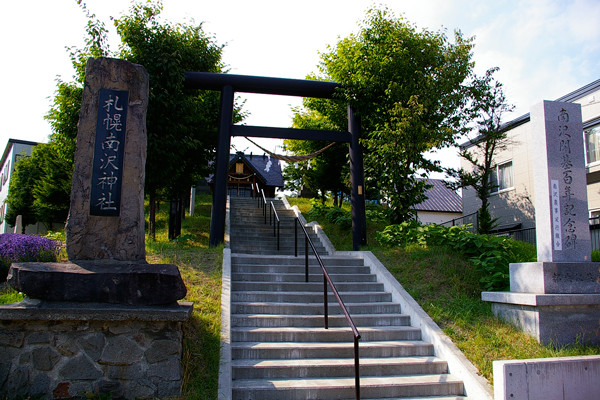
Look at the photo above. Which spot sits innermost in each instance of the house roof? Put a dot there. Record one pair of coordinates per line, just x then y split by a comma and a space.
10, 143
266, 167
440, 198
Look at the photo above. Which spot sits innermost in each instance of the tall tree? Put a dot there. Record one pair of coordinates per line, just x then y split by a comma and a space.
20, 195
181, 124
485, 110
406, 85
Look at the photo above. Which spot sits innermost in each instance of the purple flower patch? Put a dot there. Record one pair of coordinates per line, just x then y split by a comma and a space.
15, 247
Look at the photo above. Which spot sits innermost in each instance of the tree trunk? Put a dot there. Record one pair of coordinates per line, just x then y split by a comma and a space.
152, 214
175, 218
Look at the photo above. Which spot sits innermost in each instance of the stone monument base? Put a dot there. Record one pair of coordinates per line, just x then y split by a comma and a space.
558, 319
556, 303
101, 281
61, 350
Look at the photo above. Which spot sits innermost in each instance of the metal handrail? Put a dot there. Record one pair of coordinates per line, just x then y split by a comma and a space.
264, 204
275, 219
327, 280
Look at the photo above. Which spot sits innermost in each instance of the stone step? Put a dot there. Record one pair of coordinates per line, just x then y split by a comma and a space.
291, 260
336, 367
263, 251
301, 350
343, 388
313, 308
305, 287
316, 276
278, 320
271, 243
298, 269
320, 334
304, 297
270, 251
268, 233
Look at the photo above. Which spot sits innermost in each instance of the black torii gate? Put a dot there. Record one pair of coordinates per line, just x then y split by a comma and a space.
229, 84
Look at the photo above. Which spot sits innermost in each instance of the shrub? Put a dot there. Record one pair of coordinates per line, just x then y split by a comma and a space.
25, 248
333, 214
490, 254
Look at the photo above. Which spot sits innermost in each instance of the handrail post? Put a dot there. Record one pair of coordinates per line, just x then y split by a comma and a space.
296, 237
306, 257
278, 229
325, 308
356, 369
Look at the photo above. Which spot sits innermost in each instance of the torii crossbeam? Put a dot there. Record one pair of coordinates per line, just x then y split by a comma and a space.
229, 84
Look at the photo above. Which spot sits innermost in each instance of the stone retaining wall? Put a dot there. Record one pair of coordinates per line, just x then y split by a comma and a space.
65, 351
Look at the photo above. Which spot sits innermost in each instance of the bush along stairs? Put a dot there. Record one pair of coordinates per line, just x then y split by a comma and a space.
279, 347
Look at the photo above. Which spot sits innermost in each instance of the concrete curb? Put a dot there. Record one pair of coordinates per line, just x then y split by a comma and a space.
225, 391
476, 387
313, 225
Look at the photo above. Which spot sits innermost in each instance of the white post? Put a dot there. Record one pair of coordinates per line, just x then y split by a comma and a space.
192, 200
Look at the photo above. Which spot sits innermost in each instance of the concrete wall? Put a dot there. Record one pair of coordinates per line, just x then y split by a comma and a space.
514, 204
565, 378
434, 217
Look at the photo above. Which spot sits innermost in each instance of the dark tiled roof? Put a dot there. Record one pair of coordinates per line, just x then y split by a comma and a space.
440, 198
267, 167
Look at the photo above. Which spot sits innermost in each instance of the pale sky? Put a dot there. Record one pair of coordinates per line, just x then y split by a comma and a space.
544, 48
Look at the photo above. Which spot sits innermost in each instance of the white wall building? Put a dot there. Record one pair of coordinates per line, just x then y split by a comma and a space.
513, 202
14, 150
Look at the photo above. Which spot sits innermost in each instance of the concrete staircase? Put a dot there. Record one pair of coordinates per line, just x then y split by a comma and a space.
251, 235
279, 347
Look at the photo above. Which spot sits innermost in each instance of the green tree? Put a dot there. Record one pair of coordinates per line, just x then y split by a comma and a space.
181, 123
485, 110
20, 196
406, 85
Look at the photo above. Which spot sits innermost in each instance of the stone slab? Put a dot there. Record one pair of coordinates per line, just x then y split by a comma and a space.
560, 185
573, 378
104, 282
555, 277
559, 319
536, 299
92, 237
38, 310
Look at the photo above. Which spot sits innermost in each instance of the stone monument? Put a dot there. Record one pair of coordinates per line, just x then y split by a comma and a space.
106, 321
557, 298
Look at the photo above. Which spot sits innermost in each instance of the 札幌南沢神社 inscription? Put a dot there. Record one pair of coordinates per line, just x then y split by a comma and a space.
107, 169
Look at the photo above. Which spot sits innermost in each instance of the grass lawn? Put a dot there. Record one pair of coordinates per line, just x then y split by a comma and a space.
447, 287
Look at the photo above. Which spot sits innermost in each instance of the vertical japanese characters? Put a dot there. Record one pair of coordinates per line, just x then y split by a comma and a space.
107, 169
567, 210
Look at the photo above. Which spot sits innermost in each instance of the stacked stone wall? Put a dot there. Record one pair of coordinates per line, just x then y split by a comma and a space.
76, 358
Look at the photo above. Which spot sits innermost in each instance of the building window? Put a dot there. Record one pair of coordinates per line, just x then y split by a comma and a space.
594, 217
592, 144
502, 177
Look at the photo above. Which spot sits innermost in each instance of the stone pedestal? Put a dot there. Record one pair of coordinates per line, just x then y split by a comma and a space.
556, 303
58, 350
